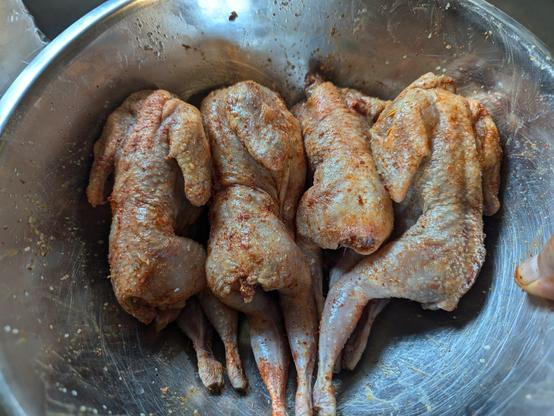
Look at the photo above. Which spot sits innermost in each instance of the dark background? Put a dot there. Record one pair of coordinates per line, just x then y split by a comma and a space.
53, 16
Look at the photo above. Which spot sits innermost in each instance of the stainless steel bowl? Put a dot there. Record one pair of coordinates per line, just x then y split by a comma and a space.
65, 345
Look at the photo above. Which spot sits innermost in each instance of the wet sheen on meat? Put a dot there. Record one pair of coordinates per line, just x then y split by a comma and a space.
445, 149
347, 206
155, 145
259, 175
153, 271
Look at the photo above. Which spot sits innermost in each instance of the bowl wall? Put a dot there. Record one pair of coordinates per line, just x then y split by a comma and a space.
67, 347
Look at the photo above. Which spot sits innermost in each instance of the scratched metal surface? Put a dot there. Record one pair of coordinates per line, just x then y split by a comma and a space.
67, 348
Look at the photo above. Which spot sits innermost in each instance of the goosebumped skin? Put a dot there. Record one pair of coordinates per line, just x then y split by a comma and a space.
347, 205
356, 344
259, 176
194, 324
147, 140
336, 125
256, 142
153, 271
225, 322
313, 255
434, 142
406, 215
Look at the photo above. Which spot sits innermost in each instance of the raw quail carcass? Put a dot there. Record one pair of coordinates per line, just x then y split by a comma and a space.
153, 271
259, 175
446, 149
347, 205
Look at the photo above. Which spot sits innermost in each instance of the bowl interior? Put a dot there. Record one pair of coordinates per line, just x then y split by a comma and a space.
67, 347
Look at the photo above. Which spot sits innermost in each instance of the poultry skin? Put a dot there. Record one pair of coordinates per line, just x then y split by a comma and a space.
194, 320
153, 271
259, 175
347, 205
446, 149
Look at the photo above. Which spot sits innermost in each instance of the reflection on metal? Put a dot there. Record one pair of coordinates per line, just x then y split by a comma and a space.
65, 345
